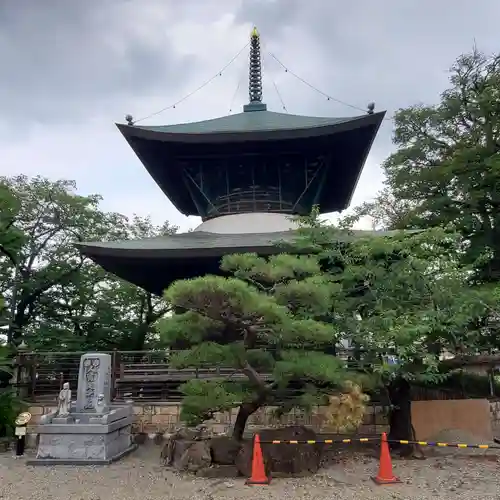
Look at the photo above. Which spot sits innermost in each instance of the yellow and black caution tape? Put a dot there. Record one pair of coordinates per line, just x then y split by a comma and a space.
445, 445
377, 439
323, 441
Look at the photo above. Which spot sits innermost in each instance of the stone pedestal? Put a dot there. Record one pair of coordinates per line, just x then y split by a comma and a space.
83, 444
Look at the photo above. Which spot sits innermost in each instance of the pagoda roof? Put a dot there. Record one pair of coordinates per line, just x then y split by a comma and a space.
194, 243
345, 141
251, 125
154, 263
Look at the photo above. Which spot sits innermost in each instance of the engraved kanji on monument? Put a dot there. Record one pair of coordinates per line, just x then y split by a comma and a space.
94, 379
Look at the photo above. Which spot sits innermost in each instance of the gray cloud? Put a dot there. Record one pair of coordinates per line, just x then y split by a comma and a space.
271, 17
61, 57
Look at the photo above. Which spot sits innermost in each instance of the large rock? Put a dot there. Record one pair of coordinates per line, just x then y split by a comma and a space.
224, 450
189, 456
195, 457
186, 450
283, 459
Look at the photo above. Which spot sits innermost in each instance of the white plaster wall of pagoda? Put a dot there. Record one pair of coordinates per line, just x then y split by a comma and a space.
248, 223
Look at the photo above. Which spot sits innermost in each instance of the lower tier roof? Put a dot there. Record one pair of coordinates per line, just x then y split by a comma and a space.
154, 263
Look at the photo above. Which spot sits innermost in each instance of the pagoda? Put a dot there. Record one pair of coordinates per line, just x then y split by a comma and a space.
245, 175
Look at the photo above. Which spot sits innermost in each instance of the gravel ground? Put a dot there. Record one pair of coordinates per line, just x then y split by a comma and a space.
140, 476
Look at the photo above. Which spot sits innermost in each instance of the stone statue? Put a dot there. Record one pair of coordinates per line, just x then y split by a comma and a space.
64, 401
100, 404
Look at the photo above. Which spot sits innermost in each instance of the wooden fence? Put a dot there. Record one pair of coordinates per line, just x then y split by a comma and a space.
146, 375
139, 375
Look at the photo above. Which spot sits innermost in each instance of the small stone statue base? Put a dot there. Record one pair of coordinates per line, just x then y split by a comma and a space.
83, 444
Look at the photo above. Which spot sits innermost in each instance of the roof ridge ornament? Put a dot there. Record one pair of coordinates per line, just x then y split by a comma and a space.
255, 75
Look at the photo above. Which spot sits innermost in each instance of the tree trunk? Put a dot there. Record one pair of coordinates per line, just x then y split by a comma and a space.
138, 337
244, 413
400, 417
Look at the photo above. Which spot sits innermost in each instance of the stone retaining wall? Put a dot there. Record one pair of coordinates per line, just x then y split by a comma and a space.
164, 417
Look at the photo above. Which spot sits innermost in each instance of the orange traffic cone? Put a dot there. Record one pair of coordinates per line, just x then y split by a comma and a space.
385, 475
258, 472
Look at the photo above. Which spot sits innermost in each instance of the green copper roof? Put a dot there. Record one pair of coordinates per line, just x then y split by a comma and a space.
199, 240
252, 121
188, 241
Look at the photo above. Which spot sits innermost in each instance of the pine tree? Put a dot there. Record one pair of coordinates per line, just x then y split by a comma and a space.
269, 322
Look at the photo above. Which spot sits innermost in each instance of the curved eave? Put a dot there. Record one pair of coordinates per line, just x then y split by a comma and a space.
97, 251
134, 131
375, 126
153, 264
204, 244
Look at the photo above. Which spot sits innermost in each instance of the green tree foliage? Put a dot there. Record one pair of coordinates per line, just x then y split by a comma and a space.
51, 217
268, 323
11, 239
446, 168
96, 310
3, 312
405, 294
385, 212
10, 405
11, 236
54, 298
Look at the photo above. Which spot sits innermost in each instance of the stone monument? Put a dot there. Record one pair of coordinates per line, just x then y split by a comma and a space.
90, 431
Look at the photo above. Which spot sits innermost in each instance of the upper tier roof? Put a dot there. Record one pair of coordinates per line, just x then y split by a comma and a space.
343, 143
260, 124
249, 122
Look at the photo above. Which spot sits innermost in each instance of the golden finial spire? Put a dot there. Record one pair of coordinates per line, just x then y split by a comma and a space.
255, 75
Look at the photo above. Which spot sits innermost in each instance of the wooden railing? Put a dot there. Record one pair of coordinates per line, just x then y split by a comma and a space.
139, 375
147, 375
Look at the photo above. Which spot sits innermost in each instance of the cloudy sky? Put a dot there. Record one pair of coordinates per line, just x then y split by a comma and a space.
70, 69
